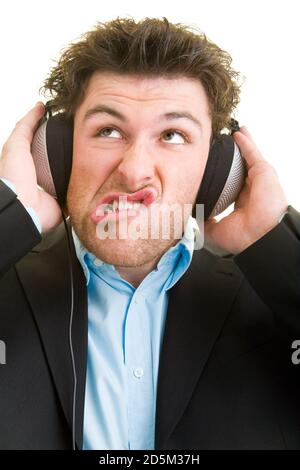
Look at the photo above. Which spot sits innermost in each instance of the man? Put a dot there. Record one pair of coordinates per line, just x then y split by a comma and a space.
167, 348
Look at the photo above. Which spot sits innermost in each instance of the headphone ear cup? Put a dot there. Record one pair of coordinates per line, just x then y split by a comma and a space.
52, 149
223, 178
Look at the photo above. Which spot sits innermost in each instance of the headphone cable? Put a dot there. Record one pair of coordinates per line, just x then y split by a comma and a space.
70, 331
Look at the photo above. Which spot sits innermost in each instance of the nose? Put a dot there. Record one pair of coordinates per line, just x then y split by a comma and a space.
137, 167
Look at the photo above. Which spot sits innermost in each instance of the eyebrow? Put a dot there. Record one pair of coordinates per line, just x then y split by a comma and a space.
170, 116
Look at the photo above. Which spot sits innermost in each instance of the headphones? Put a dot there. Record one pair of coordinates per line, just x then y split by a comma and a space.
52, 149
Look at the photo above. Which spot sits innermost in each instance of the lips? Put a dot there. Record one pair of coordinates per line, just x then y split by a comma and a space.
144, 196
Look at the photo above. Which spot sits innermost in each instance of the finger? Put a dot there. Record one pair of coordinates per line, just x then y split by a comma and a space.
246, 132
248, 147
26, 126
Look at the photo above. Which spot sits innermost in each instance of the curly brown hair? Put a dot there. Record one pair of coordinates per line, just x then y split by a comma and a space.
151, 47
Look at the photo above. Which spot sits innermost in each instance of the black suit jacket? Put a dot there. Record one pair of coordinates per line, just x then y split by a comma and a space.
226, 379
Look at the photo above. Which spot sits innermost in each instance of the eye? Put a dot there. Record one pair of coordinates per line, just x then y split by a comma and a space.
107, 132
181, 139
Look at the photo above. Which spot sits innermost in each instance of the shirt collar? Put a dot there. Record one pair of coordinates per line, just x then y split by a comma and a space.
186, 244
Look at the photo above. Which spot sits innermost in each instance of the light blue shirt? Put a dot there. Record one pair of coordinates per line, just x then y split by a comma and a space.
125, 332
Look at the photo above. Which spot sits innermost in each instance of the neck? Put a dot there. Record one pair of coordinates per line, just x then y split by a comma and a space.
135, 274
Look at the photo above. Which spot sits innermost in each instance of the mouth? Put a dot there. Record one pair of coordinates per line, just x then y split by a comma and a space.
116, 205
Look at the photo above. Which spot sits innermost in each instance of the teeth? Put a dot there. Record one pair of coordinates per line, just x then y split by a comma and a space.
121, 205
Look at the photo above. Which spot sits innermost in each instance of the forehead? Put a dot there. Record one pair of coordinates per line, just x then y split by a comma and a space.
151, 91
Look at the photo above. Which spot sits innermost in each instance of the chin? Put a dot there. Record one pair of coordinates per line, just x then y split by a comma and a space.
127, 253
119, 252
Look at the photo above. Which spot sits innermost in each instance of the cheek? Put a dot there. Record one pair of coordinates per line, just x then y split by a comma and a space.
89, 170
196, 171
184, 178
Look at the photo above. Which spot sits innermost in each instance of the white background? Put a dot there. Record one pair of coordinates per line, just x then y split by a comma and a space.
262, 36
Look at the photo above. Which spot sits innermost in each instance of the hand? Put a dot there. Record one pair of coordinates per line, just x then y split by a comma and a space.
258, 207
16, 164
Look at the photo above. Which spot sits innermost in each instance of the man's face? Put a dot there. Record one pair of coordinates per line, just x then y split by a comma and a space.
133, 143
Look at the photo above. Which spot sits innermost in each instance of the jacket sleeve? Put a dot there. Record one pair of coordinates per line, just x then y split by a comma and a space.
271, 265
18, 233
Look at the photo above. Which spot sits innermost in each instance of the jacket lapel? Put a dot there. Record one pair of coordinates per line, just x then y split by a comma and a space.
45, 275
198, 306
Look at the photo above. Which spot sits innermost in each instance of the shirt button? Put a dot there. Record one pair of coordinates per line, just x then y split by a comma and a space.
138, 372
97, 262
137, 298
